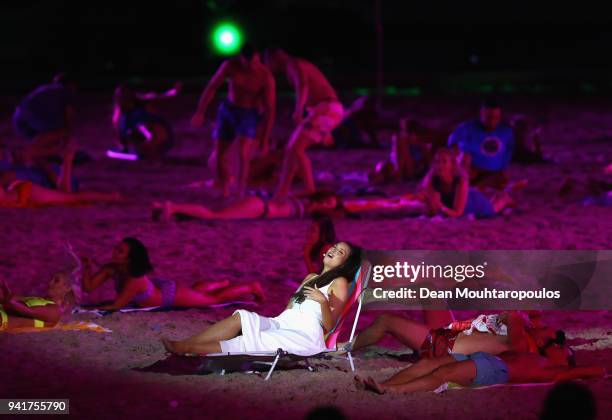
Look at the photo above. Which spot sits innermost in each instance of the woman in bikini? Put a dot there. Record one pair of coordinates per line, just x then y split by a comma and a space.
130, 267
448, 192
38, 312
255, 207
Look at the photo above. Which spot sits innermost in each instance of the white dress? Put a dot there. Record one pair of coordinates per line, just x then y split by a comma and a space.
297, 330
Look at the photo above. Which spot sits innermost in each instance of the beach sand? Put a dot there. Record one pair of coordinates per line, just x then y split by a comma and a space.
96, 371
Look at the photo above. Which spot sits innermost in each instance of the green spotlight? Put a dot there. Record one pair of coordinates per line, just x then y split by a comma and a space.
226, 38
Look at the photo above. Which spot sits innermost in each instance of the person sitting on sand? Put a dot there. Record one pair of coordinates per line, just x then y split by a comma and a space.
139, 128
486, 146
527, 147
15, 192
38, 312
554, 361
130, 267
254, 207
409, 158
321, 237
299, 329
448, 192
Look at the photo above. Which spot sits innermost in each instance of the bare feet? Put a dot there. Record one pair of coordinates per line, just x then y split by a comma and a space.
372, 385
174, 347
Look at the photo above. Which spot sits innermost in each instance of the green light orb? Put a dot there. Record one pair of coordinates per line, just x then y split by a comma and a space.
226, 38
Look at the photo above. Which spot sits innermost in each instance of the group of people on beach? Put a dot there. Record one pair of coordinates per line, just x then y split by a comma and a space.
456, 176
466, 175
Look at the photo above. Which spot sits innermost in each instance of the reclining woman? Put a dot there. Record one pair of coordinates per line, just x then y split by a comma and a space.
254, 207
38, 312
129, 269
299, 329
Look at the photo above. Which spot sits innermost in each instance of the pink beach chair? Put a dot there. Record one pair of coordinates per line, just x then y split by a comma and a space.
272, 358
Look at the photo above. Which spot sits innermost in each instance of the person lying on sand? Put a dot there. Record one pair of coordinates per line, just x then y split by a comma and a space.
553, 362
22, 193
321, 237
139, 128
297, 207
130, 267
300, 329
441, 334
38, 312
448, 192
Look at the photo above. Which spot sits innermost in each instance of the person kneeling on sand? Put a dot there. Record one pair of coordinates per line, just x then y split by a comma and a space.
129, 269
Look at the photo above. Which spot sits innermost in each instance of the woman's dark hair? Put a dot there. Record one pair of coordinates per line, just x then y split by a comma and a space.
139, 263
348, 269
560, 340
327, 236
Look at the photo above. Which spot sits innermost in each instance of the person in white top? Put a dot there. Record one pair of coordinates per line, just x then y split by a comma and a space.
299, 329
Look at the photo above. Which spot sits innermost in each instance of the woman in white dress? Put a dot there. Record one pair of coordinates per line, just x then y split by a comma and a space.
299, 329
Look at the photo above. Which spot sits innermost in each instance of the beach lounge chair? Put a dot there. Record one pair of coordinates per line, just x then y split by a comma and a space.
237, 361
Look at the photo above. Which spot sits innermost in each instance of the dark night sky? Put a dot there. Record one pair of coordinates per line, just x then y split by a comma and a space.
109, 40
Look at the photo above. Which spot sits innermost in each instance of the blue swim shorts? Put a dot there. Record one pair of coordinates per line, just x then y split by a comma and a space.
490, 369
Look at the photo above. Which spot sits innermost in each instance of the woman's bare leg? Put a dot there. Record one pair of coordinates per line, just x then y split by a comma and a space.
247, 208
192, 298
438, 319
410, 333
223, 330
45, 196
64, 181
421, 368
459, 372
208, 286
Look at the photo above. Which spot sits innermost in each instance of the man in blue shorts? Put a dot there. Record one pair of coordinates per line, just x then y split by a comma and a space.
251, 90
45, 117
486, 146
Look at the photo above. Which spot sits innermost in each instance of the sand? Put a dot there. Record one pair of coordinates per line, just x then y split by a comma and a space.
96, 370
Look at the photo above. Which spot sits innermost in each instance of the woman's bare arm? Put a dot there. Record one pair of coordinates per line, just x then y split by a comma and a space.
460, 200
332, 308
49, 313
308, 277
131, 289
91, 282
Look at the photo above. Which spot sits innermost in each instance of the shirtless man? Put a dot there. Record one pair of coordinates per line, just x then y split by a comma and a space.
553, 362
315, 95
250, 85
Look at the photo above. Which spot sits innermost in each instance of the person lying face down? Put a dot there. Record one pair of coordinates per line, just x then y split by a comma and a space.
38, 312
254, 207
555, 362
300, 329
130, 268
